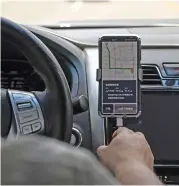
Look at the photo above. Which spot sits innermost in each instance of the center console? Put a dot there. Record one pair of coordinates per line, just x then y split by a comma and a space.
159, 122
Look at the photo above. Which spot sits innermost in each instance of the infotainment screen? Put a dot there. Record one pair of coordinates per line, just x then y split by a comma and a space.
159, 122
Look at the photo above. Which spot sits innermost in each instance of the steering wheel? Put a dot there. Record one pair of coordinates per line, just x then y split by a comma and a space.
27, 113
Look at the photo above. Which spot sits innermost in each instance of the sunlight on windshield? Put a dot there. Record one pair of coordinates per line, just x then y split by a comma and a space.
52, 12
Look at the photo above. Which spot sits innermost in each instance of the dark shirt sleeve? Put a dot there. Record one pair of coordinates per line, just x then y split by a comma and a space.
43, 161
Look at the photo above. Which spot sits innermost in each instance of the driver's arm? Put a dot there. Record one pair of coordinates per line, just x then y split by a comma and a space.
44, 161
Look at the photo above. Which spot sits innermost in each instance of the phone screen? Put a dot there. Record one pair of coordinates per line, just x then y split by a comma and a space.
119, 76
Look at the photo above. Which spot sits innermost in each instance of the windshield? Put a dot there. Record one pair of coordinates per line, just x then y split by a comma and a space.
51, 12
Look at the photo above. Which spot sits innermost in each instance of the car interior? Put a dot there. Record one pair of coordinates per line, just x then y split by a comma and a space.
49, 87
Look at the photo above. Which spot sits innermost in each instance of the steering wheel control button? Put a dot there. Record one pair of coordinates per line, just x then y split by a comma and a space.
27, 129
24, 106
36, 127
27, 112
20, 96
28, 116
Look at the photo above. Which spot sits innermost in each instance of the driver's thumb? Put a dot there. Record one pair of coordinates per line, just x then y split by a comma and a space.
101, 150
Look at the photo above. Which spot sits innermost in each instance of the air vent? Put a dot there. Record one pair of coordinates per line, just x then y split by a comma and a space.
151, 75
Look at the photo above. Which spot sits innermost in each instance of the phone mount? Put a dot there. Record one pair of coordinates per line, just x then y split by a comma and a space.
119, 76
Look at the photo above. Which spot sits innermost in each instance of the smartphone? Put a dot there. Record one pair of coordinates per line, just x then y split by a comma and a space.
119, 76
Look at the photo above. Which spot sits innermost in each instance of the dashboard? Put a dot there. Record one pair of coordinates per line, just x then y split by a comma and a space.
77, 53
18, 74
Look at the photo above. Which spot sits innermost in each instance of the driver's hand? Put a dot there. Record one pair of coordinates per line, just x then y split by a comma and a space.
127, 147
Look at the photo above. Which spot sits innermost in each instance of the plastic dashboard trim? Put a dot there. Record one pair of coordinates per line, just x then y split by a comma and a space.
83, 45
